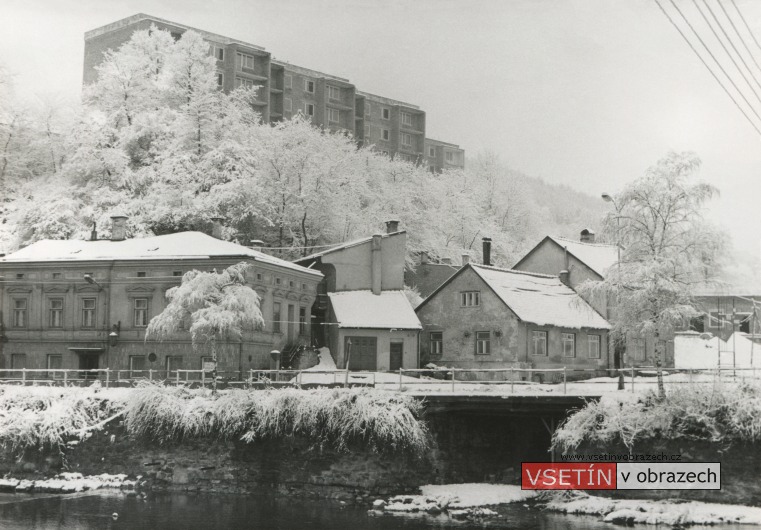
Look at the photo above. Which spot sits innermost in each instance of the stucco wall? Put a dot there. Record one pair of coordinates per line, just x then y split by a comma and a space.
353, 269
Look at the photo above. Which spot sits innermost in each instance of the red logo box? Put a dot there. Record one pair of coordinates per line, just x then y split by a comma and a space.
568, 476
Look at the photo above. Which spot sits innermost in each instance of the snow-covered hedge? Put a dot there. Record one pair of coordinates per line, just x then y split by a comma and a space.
337, 418
712, 413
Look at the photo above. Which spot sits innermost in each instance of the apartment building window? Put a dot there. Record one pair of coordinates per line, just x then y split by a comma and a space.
173, 363
136, 365
407, 139
483, 342
19, 312
220, 80
309, 109
54, 361
288, 81
259, 277
386, 114
437, 342
594, 346
568, 342
18, 361
88, 312
431, 151
309, 86
245, 62
386, 134
219, 53
20, 276
140, 312
334, 115
640, 350
449, 156
302, 320
55, 310
140, 274
278, 281
334, 92
407, 119
367, 131
368, 108
276, 312
470, 298
539, 342
287, 104
177, 273
242, 82
56, 275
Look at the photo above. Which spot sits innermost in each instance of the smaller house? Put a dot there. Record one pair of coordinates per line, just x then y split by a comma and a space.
489, 317
362, 314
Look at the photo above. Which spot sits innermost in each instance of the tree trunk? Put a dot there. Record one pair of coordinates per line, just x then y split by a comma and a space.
659, 366
214, 371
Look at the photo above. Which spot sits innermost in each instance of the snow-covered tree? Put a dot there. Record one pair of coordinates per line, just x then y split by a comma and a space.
218, 306
668, 249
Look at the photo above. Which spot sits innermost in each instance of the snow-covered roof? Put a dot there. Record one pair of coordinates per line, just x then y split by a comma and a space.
363, 309
342, 246
541, 299
182, 245
596, 256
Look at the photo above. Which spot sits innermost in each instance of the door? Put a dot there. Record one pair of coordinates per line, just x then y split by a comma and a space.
361, 353
396, 355
88, 361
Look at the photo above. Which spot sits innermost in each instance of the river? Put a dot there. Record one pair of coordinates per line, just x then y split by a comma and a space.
186, 512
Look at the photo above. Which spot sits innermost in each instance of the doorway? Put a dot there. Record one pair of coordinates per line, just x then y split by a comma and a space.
396, 355
89, 361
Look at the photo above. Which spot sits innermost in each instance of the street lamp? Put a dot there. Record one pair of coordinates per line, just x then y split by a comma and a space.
89, 279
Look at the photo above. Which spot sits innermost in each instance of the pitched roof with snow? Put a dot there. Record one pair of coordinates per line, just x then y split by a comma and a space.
182, 245
540, 299
342, 246
363, 309
596, 256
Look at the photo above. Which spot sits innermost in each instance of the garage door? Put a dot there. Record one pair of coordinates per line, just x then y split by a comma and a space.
364, 353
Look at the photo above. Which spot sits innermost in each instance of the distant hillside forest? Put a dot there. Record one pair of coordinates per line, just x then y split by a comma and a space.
155, 140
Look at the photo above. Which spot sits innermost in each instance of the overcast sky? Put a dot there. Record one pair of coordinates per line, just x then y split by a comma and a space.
583, 92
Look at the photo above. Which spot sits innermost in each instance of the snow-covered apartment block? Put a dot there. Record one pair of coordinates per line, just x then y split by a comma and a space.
394, 127
86, 304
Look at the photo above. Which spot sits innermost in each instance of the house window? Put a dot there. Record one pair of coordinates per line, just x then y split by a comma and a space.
431, 151
56, 275
386, 114
177, 273
140, 312
220, 80
219, 53
173, 363
640, 350
259, 276
19, 312
303, 287
483, 342
291, 284
386, 134
288, 81
20, 276
56, 312
470, 298
437, 342
568, 342
367, 131
276, 317
449, 156
368, 108
54, 362
309, 86
88, 312
242, 82
245, 62
594, 346
406, 139
407, 119
539, 342
309, 109
278, 281
18, 361
334, 115
141, 274
302, 320
334, 92
287, 104
136, 365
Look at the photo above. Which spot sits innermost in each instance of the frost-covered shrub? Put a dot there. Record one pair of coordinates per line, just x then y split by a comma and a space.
44, 418
712, 413
338, 418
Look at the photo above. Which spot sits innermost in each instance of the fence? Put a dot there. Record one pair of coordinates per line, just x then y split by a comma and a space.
516, 380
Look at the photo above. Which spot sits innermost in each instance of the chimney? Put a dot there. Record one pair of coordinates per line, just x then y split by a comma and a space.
94, 233
465, 259
487, 250
423, 258
392, 226
565, 277
118, 227
216, 227
376, 264
587, 236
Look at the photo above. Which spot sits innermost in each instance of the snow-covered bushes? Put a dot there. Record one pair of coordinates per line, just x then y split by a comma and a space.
40, 418
712, 413
338, 418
